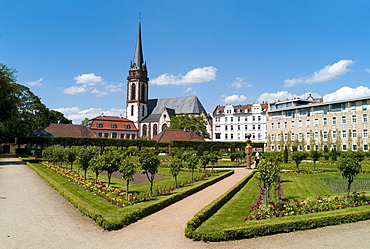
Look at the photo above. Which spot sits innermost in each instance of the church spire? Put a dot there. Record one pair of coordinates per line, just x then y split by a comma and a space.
138, 56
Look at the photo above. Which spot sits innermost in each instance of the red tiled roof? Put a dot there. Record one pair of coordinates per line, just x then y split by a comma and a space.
69, 130
106, 122
171, 134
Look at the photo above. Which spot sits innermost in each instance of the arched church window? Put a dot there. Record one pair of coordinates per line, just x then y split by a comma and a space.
145, 130
132, 110
142, 110
155, 129
164, 126
133, 91
142, 91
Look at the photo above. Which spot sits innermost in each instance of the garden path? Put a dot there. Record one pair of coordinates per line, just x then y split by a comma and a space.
33, 215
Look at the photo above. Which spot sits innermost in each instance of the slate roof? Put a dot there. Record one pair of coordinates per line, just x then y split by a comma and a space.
122, 124
69, 130
179, 105
40, 133
173, 134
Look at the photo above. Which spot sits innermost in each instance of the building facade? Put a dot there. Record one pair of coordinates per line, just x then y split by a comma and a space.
152, 116
309, 125
113, 127
233, 122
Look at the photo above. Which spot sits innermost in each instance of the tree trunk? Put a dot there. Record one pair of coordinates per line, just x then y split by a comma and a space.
96, 176
350, 180
127, 185
192, 174
267, 190
297, 166
109, 176
314, 165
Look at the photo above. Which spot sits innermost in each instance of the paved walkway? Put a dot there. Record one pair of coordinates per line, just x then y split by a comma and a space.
33, 215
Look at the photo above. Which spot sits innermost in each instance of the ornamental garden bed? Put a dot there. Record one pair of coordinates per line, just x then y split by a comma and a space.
228, 220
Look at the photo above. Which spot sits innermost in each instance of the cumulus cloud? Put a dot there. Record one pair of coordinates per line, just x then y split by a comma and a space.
114, 88
88, 79
327, 73
34, 83
197, 75
75, 90
282, 95
347, 93
77, 115
234, 98
98, 93
239, 83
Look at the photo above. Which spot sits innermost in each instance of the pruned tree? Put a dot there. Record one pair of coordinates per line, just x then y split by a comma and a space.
128, 169
149, 164
213, 158
315, 156
298, 157
112, 161
349, 167
175, 167
192, 162
84, 156
96, 165
71, 155
205, 160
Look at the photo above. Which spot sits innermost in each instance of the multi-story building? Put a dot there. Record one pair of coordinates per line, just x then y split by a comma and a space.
233, 122
113, 127
308, 124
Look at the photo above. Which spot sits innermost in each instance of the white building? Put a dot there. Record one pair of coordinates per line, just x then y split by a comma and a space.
308, 124
233, 122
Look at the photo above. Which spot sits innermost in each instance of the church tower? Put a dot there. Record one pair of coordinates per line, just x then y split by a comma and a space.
137, 85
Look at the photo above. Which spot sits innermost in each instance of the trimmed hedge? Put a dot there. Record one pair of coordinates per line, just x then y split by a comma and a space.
269, 226
213, 207
131, 216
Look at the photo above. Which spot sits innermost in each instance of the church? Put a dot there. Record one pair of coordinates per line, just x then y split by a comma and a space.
152, 116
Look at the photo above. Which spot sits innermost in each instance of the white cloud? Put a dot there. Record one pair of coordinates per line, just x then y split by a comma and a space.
367, 70
115, 88
239, 82
234, 98
189, 89
77, 115
75, 90
88, 79
197, 75
282, 95
327, 73
347, 93
98, 93
34, 83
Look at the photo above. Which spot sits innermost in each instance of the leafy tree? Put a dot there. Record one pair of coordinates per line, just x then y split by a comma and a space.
192, 162
85, 121
197, 124
349, 167
298, 157
56, 117
267, 174
84, 156
128, 169
286, 155
175, 167
149, 164
112, 161
213, 158
96, 165
205, 160
71, 155
315, 156
8, 101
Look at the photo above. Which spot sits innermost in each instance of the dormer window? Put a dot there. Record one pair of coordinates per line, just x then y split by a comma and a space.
113, 126
127, 126
99, 125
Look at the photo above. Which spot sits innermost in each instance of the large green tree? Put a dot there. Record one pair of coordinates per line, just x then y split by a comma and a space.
197, 124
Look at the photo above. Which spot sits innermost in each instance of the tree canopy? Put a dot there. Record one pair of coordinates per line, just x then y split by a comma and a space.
197, 124
21, 111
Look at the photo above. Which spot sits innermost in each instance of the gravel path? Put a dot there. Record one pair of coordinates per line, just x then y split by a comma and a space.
33, 215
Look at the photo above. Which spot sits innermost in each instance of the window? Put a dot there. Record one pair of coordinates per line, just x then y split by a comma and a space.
334, 120
113, 126
316, 136
231, 119
218, 136
127, 136
316, 122
300, 147
217, 128
278, 137
308, 147
99, 125
300, 123
344, 147
155, 129
133, 91
334, 134
364, 105
217, 119
259, 127
324, 121
307, 123
353, 105
246, 127
308, 136
272, 148
354, 133
354, 119
122, 136
231, 127
365, 134
278, 125
272, 137
285, 125
300, 136
316, 147
100, 134
231, 136
127, 126
259, 118
292, 136
366, 147
364, 117
259, 137
354, 147
285, 137
253, 118
133, 136
292, 123
325, 135
253, 127
114, 135
344, 120
225, 127
272, 126
106, 135
143, 111
238, 119
238, 127
132, 110
225, 136
344, 134
278, 148
246, 119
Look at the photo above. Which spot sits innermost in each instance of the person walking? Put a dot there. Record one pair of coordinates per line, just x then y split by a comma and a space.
256, 159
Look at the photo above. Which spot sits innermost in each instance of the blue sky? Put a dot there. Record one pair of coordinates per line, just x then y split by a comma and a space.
75, 55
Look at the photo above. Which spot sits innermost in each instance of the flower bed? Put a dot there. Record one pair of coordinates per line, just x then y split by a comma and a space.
113, 195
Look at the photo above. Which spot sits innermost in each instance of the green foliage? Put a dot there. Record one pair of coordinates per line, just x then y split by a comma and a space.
149, 164
192, 162
197, 124
96, 165
286, 155
175, 167
358, 155
315, 156
298, 157
71, 155
128, 169
349, 167
84, 156
205, 160
274, 156
267, 174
